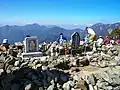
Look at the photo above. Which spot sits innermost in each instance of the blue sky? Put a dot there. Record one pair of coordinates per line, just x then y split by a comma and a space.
59, 11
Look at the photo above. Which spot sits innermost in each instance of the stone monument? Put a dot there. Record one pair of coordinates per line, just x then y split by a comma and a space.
75, 37
75, 40
31, 47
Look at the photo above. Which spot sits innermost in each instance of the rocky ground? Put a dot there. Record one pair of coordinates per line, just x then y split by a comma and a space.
94, 71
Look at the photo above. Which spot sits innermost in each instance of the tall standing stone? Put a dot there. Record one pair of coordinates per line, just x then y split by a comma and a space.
75, 37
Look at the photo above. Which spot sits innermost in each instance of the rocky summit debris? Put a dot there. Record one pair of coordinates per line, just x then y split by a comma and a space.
92, 71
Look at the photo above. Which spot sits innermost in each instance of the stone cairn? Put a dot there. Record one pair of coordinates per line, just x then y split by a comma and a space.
59, 72
32, 74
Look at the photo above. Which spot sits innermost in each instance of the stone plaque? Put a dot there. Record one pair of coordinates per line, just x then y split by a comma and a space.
31, 48
31, 44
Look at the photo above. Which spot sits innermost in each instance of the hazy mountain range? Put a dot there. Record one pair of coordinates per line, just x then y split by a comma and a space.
17, 33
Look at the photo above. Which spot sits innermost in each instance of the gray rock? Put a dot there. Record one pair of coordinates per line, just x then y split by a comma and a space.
93, 63
23, 64
113, 49
81, 84
117, 59
34, 77
115, 53
91, 79
106, 77
113, 63
28, 87
49, 73
1, 88
1, 65
72, 83
116, 80
13, 52
51, 87
38, 65
108, 88
44, 68
31, 76
99, 49
1, 71
63, 78
103, 48
103, 64
26, 82
49, 79
8, 71
58, 85
84, 62
101, 84
2, 57
117, 88
110, 52
7, 86
45, 83
15, 87
94, 60
14, 68
37, 82
8, 78
95, 88
91, 87
52, 82
41, 88
10, 60
16, 63
66, 86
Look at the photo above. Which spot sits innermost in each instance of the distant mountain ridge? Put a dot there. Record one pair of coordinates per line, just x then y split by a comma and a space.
17, 33
104, 29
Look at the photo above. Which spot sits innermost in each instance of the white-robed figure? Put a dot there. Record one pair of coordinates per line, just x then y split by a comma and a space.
91, 33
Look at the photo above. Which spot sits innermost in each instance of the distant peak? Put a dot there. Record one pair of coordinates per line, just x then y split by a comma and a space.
7, 25
99, 24
117, 23
35, 24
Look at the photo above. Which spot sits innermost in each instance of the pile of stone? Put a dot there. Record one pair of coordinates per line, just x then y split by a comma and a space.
43, 73
18, 74
105, 58
107, 80
62, 62
54, 72
31, 79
